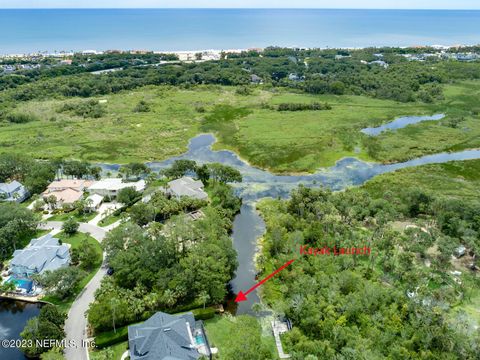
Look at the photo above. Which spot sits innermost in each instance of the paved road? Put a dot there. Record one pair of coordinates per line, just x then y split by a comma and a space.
76, 323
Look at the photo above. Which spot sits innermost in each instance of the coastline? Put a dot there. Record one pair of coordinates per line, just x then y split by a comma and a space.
212, 53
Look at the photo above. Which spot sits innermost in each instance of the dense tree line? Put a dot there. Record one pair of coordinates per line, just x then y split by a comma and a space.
386, 304
185, 263
17, 225
35, 175
164, 260
321, 70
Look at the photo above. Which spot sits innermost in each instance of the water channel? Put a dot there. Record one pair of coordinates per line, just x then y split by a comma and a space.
248, 225
258, 183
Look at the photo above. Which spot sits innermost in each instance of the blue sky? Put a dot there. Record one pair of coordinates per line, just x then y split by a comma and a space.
377, 4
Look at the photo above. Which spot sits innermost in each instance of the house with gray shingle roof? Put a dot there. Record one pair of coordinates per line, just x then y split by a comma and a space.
13, 191
42, 254
168, 337
186, 186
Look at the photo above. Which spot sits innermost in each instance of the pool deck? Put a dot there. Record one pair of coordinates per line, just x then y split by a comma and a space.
30, 299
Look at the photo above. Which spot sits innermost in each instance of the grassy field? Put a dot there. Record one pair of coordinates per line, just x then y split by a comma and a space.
75, 242
221, 329
286, 141
456, 179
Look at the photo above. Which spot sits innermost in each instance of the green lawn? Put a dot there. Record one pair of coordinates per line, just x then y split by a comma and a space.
113, 352
109, 220
221, 329
286, 141
75, 242
79, 217
456, 179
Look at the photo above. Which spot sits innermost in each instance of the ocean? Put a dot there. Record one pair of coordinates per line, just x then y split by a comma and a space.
26, 31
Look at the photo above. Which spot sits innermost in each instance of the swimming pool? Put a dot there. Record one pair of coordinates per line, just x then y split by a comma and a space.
22, 283
199, 339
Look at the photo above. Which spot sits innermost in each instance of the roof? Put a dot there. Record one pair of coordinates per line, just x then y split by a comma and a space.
70, 184
116, 184
10, 187
42, 254
186, 186
94, 200
163, 337
67, 196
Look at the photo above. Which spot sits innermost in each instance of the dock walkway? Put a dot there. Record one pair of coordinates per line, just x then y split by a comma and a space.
279, 328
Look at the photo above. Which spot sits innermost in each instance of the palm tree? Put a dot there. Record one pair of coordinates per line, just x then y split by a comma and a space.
204, 297
113, 306
169, 298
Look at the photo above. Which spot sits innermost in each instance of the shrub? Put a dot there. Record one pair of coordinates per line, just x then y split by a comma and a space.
21, 118
204, 314
70, 226
302, 107
142, 106
110, 338
86, 109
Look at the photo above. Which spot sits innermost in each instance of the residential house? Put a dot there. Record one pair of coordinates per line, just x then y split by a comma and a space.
111, 187
42, 254
13, 191
67, 191
168, 337
295, 77
186, 186
255, 79
379, 63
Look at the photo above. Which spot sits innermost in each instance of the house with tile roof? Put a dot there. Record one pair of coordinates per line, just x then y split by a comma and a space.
40, 255
13, 191
111, 187
168, 337
67, 191
186, 186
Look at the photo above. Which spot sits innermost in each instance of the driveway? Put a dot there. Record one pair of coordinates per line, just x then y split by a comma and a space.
76, 323
104, 210
96, 232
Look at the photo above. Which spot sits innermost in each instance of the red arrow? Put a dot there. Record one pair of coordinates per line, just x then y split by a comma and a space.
242, 296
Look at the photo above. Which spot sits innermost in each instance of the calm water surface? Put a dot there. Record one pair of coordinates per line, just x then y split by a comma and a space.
400, 123
24, 31
13, 317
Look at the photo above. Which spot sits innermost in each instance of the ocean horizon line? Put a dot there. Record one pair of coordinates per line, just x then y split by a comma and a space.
239, 8
185, 29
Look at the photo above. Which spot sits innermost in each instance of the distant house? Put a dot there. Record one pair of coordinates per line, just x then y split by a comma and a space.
66, 191
13, 191
186, 186
168, 337
42, 254
111, 187
295, 77
255, 79
460, 251
379, 63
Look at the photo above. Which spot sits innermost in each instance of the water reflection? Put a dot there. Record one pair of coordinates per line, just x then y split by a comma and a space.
13, 317
399, 123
